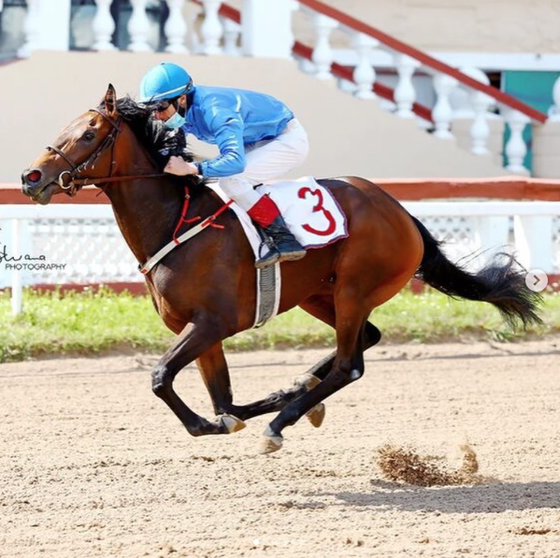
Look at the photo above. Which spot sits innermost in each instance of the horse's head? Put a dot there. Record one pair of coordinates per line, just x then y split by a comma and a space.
85, 148
100, 146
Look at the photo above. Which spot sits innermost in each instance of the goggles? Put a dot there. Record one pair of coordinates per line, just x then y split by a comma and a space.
162, 106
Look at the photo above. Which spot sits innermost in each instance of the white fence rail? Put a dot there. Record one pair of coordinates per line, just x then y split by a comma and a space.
81, 244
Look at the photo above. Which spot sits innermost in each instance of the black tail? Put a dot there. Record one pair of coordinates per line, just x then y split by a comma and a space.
501, 283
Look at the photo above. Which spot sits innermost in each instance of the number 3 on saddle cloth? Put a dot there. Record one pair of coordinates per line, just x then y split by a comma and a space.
314, 218
310, 211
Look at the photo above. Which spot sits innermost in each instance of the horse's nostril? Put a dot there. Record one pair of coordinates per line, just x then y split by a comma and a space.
33, 176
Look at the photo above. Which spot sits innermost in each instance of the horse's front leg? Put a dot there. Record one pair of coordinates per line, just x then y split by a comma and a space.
194, 340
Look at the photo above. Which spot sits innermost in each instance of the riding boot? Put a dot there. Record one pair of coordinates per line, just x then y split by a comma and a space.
280, 242
283, 246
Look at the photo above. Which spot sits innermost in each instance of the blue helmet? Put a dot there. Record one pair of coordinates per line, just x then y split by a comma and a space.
164, 81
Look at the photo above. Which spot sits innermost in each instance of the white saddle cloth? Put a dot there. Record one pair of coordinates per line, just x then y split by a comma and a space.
310, 211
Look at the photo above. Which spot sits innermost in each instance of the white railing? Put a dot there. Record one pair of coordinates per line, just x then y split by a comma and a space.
62, 244
81, 244
456, 110
448, 96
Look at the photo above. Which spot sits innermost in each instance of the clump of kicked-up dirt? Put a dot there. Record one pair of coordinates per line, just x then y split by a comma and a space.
405, 465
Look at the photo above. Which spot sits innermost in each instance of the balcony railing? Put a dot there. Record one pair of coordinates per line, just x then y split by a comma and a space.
464, 107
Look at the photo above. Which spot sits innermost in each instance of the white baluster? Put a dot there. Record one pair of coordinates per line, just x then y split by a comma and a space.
515, 147
175, 27
103, 26
232, 30
554, 112
388, 105
195, 20
533, 241
267, 28
31, 27
480, 102
322, 53
211, 28
442, 112
480, 130
405, 94
490, 235
139, 27
364, 73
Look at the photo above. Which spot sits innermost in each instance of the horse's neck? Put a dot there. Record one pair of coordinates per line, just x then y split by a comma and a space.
146, 210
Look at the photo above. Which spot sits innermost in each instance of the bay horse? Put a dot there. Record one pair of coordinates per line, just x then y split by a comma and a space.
205, 289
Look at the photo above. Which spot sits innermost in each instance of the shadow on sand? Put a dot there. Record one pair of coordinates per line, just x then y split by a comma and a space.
485, 498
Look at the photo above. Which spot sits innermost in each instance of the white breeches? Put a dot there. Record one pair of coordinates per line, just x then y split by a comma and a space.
267, 160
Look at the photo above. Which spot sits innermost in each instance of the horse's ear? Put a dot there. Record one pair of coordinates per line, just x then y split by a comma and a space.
111, 101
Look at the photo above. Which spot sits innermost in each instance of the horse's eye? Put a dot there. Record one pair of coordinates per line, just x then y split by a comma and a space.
88, 136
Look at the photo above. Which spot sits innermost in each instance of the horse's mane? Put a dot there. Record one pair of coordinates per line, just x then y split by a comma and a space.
159, 141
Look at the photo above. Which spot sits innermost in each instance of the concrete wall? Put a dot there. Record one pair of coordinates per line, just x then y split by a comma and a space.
462, 25
494, 26
41, 95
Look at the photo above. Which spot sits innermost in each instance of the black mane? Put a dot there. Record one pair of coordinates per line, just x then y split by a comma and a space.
159, 141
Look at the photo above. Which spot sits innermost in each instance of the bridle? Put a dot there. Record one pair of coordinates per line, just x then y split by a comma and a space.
74, 184
68, 179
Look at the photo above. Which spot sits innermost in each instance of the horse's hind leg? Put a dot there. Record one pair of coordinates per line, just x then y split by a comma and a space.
321, 370
322, 308
347, 366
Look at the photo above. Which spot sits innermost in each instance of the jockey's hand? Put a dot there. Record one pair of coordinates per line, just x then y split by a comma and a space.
180, 167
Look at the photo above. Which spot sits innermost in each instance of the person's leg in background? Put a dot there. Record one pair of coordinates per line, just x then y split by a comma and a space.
268, 161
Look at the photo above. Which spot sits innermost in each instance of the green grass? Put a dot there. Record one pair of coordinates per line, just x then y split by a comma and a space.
96, 322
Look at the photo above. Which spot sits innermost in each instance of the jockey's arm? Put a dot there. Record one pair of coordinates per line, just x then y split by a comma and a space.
228, 133
227, 128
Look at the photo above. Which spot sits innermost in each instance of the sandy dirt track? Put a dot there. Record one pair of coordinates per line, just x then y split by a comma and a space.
92, 464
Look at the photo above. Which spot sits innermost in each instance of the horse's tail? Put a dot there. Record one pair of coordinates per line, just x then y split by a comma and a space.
501, 282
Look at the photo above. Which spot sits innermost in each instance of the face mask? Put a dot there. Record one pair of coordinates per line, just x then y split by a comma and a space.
175, 121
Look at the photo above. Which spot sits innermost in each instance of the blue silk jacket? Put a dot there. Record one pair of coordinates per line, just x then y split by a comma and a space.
232, 119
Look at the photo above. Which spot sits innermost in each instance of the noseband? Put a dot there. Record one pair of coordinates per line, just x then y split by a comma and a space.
74, 183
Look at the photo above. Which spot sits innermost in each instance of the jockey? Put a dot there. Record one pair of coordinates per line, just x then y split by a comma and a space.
258, 137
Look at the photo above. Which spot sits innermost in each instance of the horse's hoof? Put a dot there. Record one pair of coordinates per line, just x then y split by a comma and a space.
308, 381
231, 424
270, 442
317, 415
